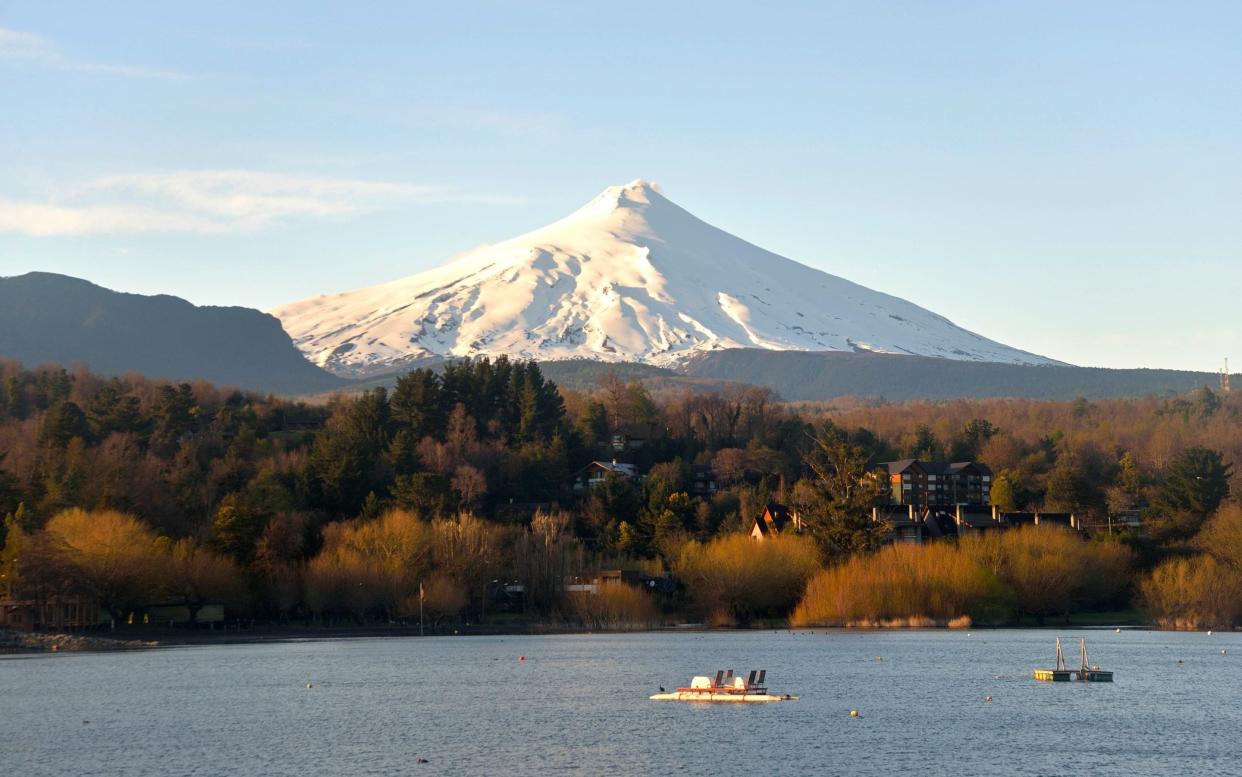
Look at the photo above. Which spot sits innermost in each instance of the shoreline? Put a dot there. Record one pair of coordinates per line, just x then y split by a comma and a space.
34, 643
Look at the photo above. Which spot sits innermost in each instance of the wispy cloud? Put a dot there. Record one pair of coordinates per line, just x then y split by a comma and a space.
209, 202
20, 45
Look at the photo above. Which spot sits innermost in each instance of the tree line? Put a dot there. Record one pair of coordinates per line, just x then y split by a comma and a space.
452, 479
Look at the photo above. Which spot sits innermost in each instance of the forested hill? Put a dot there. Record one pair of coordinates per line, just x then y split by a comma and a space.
55, 319
798, 375
132, 492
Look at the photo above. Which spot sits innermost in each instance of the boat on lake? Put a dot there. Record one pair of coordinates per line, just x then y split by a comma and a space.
725, 687
1084, 674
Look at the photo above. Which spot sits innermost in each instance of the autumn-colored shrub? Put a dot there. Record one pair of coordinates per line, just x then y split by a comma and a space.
736, 578
1051, 569
899, 582
1035, 571
1193, 593
614, 607
469, 551
1221, 536
443, 599
369, 567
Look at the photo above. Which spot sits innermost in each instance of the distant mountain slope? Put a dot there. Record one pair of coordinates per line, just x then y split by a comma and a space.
49, 318
825, 376
631, 277
815, 376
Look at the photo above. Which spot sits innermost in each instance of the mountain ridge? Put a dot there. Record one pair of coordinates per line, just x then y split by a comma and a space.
52, 318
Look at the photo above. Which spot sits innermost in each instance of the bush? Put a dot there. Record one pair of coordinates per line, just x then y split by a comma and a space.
988, 578
735, 579
899, 583
615, 607
1193, 593
369, 567
1222, 536
1051, 570
444, 599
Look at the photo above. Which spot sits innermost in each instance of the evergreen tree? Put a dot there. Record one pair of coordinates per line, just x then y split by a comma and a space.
427, 493
418, 405
63, 422
340, 472
835, 504
111, 411
175, 415
15, 397
1205, 402
1066, 486
925, 446
1195, 483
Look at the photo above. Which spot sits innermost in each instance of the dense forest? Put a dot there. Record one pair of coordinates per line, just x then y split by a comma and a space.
132, 491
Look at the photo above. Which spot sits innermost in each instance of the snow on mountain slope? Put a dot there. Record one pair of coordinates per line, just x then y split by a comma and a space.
630, 276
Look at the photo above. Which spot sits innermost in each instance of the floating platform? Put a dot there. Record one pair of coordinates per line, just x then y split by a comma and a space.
1084, 674
725, 688
713, 696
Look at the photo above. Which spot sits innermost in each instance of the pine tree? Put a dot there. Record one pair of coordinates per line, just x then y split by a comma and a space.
418, 404
1195, 482
63, 422
835, 504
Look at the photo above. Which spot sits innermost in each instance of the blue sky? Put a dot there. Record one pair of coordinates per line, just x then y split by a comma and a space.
1062, 177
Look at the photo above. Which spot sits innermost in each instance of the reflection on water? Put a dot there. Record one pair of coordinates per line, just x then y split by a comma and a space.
578, 705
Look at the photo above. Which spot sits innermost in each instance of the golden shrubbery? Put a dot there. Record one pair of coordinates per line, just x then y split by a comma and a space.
374, 568
444, 598
1033, 571
369, 566
1193, 593
1203, 591
899, 582
735, 579
118, 561
615, 607
1052, 570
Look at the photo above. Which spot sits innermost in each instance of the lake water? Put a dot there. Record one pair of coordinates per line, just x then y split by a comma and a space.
578, 705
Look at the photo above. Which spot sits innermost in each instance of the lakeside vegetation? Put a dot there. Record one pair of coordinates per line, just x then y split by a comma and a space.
987, 579
130, 491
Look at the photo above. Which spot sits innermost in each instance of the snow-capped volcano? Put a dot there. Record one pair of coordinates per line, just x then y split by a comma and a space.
630, 276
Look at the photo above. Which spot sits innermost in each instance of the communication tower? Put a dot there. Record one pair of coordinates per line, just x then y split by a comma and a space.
1224, 378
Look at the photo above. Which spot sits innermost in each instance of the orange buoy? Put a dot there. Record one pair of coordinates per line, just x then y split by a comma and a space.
521, 658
